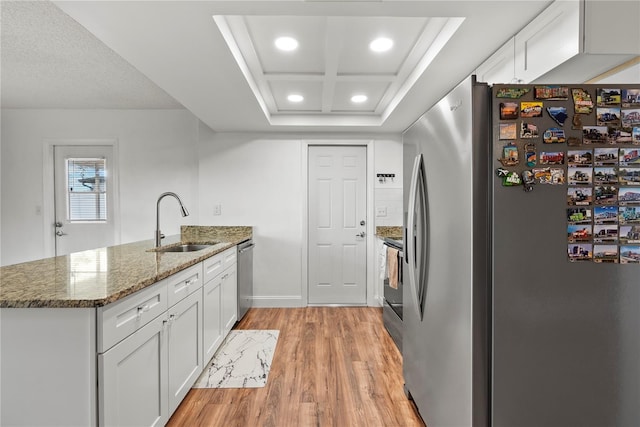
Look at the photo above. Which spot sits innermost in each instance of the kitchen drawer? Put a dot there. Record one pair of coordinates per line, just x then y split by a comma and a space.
184, 283
120, 319
229, 257
213, 266
219, 262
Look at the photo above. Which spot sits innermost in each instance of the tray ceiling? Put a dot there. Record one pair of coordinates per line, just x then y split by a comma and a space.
333, 63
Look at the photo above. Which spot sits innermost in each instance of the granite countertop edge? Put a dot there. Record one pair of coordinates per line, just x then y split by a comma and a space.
222, 239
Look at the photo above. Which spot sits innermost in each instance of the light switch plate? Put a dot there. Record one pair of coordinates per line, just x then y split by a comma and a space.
381, 211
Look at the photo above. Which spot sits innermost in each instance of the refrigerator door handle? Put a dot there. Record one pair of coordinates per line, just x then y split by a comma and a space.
422, 237
416, 254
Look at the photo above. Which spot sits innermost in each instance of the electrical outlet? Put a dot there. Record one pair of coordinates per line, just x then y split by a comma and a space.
217, 209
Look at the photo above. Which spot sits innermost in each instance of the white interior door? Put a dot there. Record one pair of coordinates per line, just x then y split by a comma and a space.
84, 198
337, 224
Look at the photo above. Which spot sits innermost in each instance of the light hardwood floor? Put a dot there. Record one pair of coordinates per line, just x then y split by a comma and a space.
333, 366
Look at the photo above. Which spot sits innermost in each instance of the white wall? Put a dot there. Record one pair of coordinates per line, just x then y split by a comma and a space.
388, 193
258, 183
627, 75
157, 153
258, 180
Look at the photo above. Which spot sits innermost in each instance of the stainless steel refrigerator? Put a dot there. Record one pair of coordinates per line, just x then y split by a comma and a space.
501, 326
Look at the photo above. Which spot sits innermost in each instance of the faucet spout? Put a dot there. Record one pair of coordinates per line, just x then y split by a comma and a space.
183, 211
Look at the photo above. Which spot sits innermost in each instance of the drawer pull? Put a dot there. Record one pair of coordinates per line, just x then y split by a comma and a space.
187, 282
143, 309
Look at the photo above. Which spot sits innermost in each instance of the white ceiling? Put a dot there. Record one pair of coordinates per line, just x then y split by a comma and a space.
168, 54
50, 61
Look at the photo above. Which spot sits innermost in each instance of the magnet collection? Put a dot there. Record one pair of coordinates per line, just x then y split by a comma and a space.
587, 139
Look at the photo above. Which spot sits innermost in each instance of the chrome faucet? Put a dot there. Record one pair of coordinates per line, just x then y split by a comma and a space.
183, 211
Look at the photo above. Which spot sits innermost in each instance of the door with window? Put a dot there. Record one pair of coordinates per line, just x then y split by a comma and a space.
337, 222
84, 198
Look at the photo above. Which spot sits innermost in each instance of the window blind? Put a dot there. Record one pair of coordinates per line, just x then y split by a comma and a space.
87, 190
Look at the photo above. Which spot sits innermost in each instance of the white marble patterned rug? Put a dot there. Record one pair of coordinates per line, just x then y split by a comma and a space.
242, 361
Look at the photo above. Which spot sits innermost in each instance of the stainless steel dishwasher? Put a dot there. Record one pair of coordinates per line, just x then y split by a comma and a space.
245, 277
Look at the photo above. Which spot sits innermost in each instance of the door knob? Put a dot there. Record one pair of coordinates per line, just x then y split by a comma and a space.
60, 233
361, 234
58, 224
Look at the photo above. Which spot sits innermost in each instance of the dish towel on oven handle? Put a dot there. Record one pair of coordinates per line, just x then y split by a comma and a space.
392, 267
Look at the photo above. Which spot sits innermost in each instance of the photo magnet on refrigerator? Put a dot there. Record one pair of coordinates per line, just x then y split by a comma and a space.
510, 155
527, 180
549, 176
511, 93
502, 172
576, 123
582, 102
605, 253
573, 141
553, 136
530, 109
630, 98
580, 252
512, 180
558, 114
608, 96
554, 92
609, 116
530, 154
508, 110
528, 130
629, 254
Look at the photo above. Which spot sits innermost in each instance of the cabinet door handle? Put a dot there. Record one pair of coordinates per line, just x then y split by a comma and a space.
169, 321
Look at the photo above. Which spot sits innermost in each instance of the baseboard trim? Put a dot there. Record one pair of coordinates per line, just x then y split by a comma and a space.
292, 301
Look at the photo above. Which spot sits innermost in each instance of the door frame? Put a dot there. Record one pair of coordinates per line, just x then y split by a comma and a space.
48, 185
372, 300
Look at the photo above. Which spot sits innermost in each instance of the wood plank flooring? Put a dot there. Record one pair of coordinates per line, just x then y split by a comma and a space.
333, 366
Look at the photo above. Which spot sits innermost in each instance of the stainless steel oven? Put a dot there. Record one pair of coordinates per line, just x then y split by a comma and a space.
392, 305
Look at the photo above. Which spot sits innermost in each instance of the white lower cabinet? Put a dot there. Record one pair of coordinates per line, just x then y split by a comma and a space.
220, 299
184, 346
133, 381
229, 298
143, 378
212, 319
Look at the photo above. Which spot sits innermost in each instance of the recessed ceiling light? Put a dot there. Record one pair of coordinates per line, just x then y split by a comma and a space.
359, 99
381, 44
294, 97
286, 43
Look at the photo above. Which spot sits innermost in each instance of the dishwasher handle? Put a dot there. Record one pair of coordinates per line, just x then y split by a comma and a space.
246, 247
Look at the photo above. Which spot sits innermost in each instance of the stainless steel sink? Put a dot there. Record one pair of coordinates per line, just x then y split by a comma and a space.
187, 247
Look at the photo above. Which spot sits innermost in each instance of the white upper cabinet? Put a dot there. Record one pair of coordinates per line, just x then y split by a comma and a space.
500, 67
571, 41
548, 41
